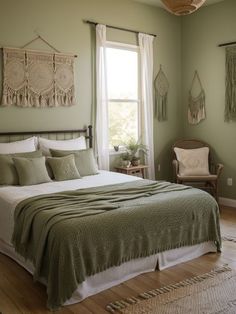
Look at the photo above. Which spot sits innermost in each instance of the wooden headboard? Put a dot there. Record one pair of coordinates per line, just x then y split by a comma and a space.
7, 137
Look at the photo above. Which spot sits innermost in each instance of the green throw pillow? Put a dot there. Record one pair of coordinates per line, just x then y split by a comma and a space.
64, 168
31, 170
84, 160
8, 173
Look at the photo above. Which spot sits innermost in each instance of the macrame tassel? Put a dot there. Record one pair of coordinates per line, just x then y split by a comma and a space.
4, 100
73, 102
51, 102
66, 102
37, 104
230, 92
56, 101
25, 102
196, 109
196, 105
161, 107
18, 100
14, 99
161, 85
43, 102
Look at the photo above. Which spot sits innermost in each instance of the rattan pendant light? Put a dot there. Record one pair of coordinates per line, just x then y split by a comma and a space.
182, 7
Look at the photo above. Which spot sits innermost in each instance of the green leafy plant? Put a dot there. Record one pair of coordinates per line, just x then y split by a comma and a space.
125, 156
132, 149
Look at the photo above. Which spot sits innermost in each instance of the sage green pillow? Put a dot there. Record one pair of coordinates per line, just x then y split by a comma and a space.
8, 173
31, 170
64, 168
84, 160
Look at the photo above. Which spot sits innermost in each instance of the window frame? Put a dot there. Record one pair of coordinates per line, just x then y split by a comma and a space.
135, 48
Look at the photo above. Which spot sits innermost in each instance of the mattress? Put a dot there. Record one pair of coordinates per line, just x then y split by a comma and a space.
11, 196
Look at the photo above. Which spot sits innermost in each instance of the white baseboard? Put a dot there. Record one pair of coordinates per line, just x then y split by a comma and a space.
227, 202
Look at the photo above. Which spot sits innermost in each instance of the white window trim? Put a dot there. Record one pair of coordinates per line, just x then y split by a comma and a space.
124, 46
123, 100
111, 44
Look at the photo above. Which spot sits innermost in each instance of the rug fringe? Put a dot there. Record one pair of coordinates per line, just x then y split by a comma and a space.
117, 306
228, 238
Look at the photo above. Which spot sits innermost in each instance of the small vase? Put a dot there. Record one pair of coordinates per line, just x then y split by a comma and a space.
135, 162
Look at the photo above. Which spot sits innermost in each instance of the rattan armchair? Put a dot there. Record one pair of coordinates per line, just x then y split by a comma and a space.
206, 182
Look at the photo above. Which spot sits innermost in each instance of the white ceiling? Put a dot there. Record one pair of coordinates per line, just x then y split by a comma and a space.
159, 3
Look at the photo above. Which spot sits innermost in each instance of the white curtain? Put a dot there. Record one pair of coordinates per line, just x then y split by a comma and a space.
146, 59
102, 128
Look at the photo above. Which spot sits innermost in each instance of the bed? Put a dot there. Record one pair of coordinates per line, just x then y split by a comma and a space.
200, 236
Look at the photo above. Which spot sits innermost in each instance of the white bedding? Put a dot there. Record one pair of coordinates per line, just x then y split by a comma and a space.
10, 196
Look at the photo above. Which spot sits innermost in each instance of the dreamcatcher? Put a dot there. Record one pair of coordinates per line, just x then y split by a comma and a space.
161, 86
196, 104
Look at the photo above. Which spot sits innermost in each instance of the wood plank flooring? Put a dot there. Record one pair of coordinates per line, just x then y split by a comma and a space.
20, 295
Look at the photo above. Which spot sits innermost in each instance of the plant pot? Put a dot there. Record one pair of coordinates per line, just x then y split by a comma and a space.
135, 162
125, 163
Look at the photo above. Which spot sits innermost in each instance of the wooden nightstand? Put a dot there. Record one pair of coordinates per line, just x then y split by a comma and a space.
133, 171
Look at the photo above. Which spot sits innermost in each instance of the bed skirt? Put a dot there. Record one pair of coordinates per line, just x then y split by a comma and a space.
116, 275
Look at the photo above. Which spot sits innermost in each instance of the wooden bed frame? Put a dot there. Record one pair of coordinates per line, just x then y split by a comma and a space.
11, 136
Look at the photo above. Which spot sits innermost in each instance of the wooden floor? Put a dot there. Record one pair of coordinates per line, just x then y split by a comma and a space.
18, 293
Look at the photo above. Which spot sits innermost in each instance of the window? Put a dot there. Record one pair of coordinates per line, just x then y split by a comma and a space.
123, 93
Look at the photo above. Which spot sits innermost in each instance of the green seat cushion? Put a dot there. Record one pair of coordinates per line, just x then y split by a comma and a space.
84, 160
31, 170
64, 168
8, 173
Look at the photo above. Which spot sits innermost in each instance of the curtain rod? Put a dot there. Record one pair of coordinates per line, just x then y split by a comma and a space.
120, 28
227, 44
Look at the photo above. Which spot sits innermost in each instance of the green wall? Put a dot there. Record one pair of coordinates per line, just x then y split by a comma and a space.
201, 34
182, 45
61, 23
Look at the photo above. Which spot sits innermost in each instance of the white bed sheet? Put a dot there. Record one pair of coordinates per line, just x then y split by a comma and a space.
11, 196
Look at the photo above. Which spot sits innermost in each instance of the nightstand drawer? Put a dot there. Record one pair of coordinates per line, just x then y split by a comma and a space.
133, 171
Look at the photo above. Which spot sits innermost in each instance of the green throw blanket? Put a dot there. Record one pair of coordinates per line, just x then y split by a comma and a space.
72, 235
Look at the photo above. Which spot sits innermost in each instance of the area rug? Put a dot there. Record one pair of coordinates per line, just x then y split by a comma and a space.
228, 237
210, 293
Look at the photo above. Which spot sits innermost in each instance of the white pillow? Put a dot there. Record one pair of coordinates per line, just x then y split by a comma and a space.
193, 162
24, 146
74, 144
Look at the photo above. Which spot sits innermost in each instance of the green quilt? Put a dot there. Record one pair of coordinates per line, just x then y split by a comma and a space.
72, 235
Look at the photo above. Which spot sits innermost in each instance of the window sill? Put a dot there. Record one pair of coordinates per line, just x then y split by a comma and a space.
113, 152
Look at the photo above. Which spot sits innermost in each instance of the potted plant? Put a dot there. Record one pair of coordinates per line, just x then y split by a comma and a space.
133, 148
125, 159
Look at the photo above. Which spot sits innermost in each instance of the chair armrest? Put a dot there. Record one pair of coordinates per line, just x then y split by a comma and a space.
175, 165
219, 168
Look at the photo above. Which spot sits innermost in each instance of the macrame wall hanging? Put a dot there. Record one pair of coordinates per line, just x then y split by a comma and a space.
230, 93
37, 79
161, 86
196, 105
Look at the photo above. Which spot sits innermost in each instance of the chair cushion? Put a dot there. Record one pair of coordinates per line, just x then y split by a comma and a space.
193, 162
210, 177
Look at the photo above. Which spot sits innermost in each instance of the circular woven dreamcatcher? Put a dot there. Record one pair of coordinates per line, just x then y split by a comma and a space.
40, 77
